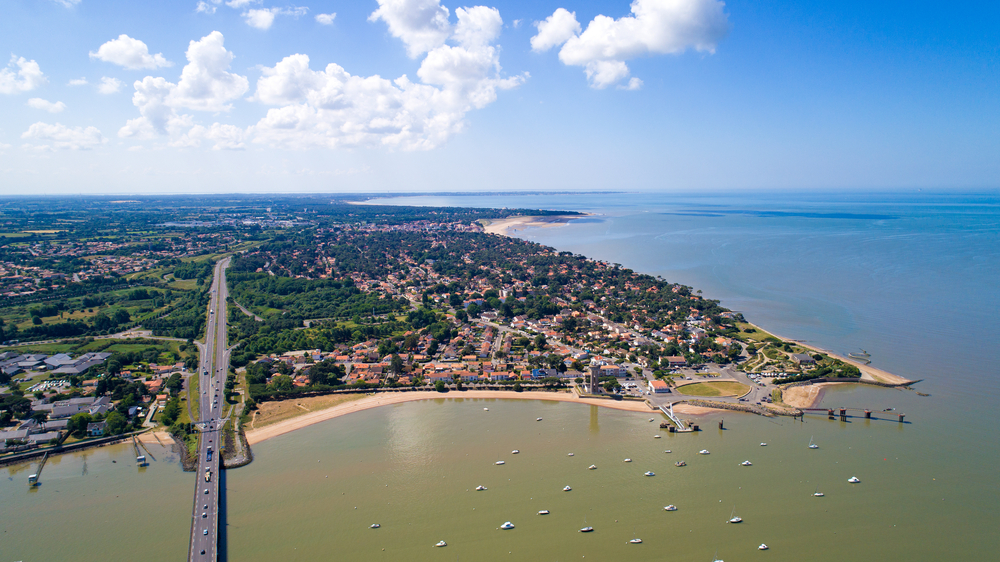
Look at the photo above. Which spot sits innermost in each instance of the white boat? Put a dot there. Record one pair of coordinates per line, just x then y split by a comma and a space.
586, 529
543, 512
650, 419
762, 547
853, 480
538, 419
704, 452
507, 525
480, 488
763, 444
657, 436
567, 488
627, 460
733, 518
670, 507
375, 526
817, 493
635, 541
486, 409
570, 455
680, 463
812, 445
514, 452
498, 462
649, 473
746, 463
592, 467
667, 451
441, 543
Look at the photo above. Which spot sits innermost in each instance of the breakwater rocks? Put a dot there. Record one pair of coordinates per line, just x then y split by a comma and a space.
748, 408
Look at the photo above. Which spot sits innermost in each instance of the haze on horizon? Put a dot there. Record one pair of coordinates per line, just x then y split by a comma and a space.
431, 95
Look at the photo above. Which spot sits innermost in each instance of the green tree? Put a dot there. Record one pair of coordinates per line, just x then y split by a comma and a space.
440, 386
116, 423
77, 425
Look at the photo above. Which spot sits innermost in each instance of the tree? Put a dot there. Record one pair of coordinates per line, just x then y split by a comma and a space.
517, 387
440, 387
116, 423
77, 425
281, 383
396, 364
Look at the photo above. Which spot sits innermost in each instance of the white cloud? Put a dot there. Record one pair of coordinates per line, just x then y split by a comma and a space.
130, 53
205, 85
517, 23
204, 8
226, 137
555, 30
334, 109
264, 17
59, 136
77, 82
326, 19
45, 105
655, 27
633, 84
422, 25
67, 3
28, 76
109, 86
241, 3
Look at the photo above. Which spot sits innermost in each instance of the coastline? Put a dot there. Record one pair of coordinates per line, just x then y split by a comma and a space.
255, 436
504, 227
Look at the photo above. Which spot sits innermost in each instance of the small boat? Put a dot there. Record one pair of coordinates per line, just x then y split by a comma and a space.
592, 467
543, 512
817, 493
667, 451
812, 445
635, 541
627, 460
762, 547
486, 409
733, 518
480, 488
670, 507
763, 444
650, 419
680, 463
586, 529
746, 463
649, 473
657, 436
514, 452
704, 452
538, 419
853, 480
567, 488
507, 525
499, 462
441, 543
570, 455
374, 526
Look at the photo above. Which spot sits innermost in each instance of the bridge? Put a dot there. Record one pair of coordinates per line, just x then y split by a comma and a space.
214, 365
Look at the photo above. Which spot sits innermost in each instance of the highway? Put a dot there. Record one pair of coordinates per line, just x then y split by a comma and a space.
211, 380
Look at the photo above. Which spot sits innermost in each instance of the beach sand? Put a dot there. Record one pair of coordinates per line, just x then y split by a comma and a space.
691, 410
806, 396
384, 399
504, 227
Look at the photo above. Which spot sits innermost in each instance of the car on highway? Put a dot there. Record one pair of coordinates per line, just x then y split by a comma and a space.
205, 532
204, 515
206, 490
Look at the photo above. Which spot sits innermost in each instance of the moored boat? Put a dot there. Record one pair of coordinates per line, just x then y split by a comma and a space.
441, 543
853, 480
567, 488
507, 525
543, 512
670, 507
649, 473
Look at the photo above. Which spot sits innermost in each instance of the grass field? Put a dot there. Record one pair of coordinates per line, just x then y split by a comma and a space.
713, 389
273, 412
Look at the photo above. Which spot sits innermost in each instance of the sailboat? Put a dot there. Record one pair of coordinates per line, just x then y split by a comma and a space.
635, 540
716, 558
586, 528
817, 493
811, 444
733, 518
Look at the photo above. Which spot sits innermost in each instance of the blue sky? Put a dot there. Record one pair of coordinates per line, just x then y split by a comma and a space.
658, 95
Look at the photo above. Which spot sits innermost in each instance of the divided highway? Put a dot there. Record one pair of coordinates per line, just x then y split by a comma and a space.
211, 379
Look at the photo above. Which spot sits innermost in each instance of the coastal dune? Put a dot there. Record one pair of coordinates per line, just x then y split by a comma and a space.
374, 401
505, 226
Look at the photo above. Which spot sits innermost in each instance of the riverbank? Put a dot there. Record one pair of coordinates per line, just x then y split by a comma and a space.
257, 435
806, 396
505, 227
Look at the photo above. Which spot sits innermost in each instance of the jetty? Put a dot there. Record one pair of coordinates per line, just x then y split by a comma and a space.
35, 479
679, 425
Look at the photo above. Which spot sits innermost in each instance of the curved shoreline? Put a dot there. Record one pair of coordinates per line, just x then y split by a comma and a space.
255, 436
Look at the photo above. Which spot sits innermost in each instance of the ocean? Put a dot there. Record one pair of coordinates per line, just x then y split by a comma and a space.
910, 277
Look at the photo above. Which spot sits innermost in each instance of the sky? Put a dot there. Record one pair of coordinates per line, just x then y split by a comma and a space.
430, 95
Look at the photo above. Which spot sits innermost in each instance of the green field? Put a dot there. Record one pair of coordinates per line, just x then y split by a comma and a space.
713, 389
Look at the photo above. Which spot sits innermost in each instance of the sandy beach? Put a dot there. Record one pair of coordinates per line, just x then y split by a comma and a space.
807, 396
376, 400
505, 227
